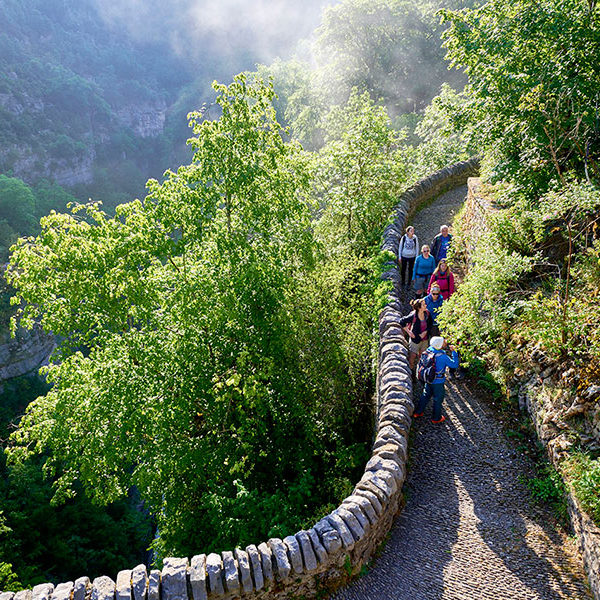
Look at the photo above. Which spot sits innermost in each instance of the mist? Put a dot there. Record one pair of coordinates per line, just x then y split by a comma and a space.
257, 30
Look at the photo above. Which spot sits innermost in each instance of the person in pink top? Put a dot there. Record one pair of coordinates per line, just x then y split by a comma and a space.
444, 277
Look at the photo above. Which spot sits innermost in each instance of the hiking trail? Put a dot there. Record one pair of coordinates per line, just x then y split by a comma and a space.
470, 529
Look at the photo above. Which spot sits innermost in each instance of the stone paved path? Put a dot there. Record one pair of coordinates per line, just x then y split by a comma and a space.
469, 530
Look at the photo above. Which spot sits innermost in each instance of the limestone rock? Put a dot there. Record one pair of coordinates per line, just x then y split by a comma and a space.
139, 582
80, 588
154, 585
266, 557
344, 532
282, 564
103, 588
198, 577
294, 553
214, 570
256, 565
43, 591
62, 591
174, 579
365, 506
243, 562
230, 570
123, 586
308, 555
318, 547
330, 538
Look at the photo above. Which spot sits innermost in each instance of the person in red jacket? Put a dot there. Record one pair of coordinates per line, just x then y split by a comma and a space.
444, 277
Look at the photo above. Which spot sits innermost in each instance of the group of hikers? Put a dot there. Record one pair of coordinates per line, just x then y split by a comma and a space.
433, 283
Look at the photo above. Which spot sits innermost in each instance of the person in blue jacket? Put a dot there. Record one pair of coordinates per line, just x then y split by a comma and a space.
433, 302
423, 269
436, 388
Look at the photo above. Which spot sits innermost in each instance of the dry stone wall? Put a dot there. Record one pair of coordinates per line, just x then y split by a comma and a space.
310, 562
533, 389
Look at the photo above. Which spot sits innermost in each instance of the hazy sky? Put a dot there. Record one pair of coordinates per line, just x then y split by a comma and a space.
268, 28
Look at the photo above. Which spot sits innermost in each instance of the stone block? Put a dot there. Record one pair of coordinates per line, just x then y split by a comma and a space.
80, 588
330, 538
308, 555
174, 579
256, 566
198, 577
281, 562
359, 515
394, 397
371, 497
389, 433
243, 562
123, 585
266, 558
365, 506
214, 570
62, 591
320, 552
7, 595
376, 464
154, 585
23, 595
103, 588
392, 349
43, 591
387, 485
366, 484
340, 526
353, 524
392, 451
230, 571
294, 553
139, 582
397, 421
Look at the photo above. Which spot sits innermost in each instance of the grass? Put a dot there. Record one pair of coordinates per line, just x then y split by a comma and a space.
583, 472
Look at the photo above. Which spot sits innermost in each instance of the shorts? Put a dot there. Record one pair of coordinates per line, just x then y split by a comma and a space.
417, 348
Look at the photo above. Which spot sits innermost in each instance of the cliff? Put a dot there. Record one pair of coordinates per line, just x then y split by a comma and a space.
25, 353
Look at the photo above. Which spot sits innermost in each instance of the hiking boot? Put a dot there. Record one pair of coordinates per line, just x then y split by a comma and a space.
416, 415
442, 419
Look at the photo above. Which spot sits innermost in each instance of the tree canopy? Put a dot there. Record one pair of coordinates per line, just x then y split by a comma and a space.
534, 84
185, 366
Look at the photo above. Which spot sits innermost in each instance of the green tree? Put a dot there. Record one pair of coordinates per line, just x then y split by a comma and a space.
180, 372
360, 172
17, 204
534, 85
390, 48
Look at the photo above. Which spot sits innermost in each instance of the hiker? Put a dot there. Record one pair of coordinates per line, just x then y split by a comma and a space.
407, 253
434, 301
435, 388
424, 267
441, 244
444, 277
417, 324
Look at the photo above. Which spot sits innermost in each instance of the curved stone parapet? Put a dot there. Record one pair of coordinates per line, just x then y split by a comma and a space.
309, 562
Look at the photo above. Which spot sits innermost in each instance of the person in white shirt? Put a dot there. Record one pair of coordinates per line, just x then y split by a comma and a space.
407, 252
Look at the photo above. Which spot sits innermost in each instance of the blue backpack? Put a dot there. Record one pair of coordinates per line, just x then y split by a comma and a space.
426, 368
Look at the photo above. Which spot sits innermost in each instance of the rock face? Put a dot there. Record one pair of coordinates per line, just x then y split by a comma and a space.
146, 120
25, 353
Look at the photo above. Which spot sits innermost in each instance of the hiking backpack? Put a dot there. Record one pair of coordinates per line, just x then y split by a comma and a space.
426, 368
